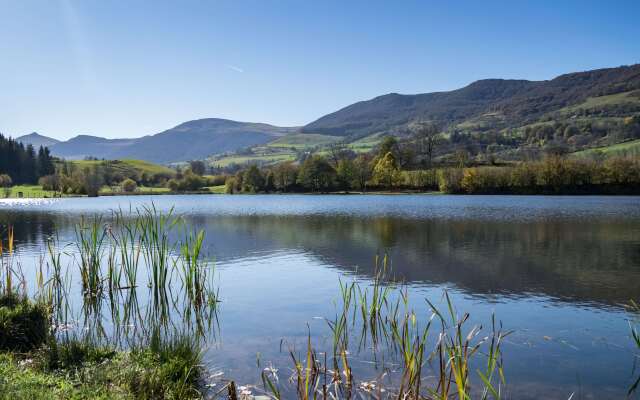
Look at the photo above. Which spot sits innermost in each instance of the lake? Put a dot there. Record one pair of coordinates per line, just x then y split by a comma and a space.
557, 271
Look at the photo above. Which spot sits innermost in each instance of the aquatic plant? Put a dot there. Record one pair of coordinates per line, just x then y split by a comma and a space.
11, 277
156, 246
635, 335
409, 343
90, 242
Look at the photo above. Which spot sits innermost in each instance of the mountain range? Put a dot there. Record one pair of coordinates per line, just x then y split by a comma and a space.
490, 105
192, 140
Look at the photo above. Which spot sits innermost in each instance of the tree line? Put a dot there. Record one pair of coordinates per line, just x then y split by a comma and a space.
409, 165
23, 164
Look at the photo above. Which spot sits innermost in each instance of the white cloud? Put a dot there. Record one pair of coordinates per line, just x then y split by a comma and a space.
234, 68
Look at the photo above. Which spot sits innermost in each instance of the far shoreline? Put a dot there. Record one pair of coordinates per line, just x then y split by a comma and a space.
340, 193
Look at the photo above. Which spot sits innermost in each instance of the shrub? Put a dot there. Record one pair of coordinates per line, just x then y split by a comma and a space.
5, 183
622, 171
191, 182
173, 185
523, 176
50, 182
485, 180
449, 180
216, 180
421, 179
5, 180
230, 186
24, 325
129, 185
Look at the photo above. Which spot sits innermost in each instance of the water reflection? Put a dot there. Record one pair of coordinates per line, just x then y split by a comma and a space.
588, 262
556, 270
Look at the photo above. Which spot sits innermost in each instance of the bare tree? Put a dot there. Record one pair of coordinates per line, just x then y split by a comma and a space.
426, 136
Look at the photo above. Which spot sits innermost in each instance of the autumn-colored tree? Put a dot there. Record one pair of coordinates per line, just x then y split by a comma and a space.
386, 172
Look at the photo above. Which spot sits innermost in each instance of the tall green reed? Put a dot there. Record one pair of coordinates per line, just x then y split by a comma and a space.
157, 247
425, 362
90, 241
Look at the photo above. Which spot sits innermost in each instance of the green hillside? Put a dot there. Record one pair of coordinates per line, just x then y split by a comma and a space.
127, 167
265, 158
303, 140
285, 148
631, 148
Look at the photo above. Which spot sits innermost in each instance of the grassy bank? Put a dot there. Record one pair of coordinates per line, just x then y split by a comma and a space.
36, 191
143, 374
28, 191
83, 371
46, 352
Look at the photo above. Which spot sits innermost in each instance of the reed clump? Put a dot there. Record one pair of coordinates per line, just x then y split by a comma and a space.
418, 354
111, 255
139, 354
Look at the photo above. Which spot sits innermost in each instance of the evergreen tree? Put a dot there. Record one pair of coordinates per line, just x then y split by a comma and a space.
22, 163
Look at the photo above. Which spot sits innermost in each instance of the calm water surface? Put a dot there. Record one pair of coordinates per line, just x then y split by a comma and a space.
556, 270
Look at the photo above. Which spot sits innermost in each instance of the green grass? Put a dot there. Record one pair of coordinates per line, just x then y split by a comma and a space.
140, 189
36, 191
168, 373
19, 381
482, 122
303, 140
128, 166
266, 158
280, 150
220, 189
602, 102
35, 364
631, 148
28, 191
366, 143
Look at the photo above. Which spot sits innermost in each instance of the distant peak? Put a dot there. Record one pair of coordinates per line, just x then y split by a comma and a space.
37, 139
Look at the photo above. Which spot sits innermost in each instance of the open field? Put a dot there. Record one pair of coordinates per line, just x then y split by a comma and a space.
303, 140
140, 189
36, 191
266, 158
127, 166
631, 148
282, 149
220, 189
366, 143
28, 191
602, 102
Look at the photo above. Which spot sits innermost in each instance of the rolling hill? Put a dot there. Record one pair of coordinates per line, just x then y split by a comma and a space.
128, 168
516, 118
513, 103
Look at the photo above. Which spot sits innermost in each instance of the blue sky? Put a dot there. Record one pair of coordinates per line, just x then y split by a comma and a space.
132, 68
